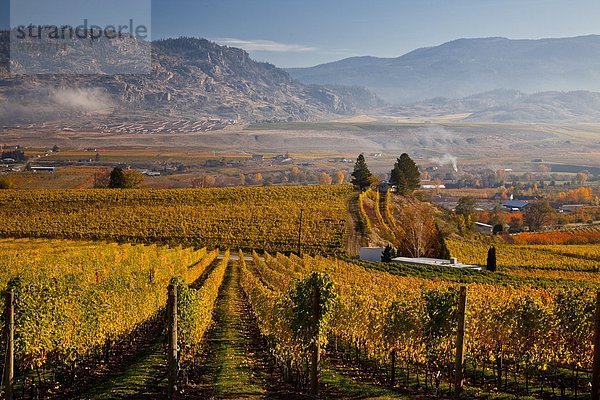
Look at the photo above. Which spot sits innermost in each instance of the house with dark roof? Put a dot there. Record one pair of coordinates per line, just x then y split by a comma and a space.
515, 205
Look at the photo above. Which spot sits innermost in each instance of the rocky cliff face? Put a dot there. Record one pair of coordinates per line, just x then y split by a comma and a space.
190, 78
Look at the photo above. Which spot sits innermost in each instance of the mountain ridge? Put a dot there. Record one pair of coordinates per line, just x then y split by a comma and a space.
464, 67
190, 78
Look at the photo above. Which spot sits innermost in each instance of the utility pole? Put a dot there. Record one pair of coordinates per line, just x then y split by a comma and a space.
459, 366
300, 232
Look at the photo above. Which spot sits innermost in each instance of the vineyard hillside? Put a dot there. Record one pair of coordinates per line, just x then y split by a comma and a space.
249, 293
263, 219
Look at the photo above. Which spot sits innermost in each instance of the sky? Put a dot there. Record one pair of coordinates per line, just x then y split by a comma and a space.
299, 33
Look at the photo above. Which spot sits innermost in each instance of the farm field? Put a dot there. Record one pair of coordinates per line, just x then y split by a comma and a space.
248, 348
65, 178
93, 312
405, 323
89, 323
552, 264
279, 200
84, 303
265, 219
469, 141
583, 258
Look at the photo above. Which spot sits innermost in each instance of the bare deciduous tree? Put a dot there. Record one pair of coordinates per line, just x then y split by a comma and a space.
419, 234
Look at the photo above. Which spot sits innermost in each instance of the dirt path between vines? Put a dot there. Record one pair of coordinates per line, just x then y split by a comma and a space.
235, 362
354, 238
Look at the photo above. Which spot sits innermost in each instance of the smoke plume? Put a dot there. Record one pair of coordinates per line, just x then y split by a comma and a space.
446, 159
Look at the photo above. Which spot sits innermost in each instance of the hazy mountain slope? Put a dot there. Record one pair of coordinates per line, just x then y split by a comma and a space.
442, 106
546, 107
508, 106
467, 66
190, 78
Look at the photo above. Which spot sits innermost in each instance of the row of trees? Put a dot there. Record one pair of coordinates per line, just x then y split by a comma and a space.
405, 175
537, 215
17, 155
295, 176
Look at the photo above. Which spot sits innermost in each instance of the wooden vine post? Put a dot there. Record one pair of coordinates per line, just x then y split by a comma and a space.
316, 347
300, 232
459, 366
393, 369
596, 365
9, 362
172, 333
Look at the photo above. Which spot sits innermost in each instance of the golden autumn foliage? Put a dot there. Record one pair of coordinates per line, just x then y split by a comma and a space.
248, 218
74, 297
582, 195
378, 312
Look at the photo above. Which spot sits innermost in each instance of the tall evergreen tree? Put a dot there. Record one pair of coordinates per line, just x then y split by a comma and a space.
117, 178
388, 253
443, 251
399, 180
361, 177
120, 179
411, 171
405, 175
491, 259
